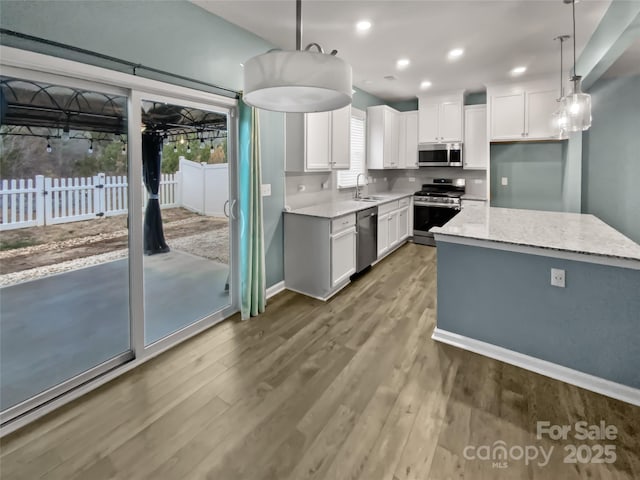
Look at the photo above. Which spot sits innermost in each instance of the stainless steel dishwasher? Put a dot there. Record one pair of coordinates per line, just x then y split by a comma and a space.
367, 243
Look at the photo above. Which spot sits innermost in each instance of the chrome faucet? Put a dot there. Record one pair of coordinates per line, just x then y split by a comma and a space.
358, 194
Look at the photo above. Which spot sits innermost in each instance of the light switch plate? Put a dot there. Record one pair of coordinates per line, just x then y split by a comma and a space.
266, 189
504, 181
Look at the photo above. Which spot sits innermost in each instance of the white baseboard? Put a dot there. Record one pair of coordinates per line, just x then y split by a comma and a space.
548, 369
275, 289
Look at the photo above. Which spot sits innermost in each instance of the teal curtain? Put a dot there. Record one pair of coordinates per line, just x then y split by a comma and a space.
252, 270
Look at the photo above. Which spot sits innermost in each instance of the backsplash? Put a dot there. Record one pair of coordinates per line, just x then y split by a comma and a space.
307, 189
412, 180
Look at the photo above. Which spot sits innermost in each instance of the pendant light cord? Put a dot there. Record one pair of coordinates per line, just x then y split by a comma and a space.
298, 24
573, 7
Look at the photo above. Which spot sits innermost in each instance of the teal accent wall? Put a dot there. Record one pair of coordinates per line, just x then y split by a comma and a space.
272, 127
361, 99
591, 325
475, 98
405, 105
611, 155
175, 36
535, 172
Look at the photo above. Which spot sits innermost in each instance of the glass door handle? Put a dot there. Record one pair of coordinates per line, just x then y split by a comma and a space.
231, 212
224, 209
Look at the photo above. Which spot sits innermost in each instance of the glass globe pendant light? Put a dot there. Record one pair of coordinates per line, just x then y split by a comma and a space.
298, 80
577, 105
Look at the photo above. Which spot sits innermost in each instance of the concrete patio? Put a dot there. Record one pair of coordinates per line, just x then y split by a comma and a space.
56, 327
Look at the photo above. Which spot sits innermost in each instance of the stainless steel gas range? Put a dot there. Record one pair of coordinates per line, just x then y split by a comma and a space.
433, 206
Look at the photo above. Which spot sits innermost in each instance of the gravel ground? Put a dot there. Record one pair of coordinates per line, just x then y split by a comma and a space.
213, 245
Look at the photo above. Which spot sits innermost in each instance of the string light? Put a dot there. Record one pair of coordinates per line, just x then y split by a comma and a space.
212, 147
202, 144
189, 148
124, 147
175, 147
65, 134
165, 139
90, 151
49, 149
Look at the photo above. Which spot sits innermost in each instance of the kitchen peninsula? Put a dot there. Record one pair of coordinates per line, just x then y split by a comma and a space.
556, 293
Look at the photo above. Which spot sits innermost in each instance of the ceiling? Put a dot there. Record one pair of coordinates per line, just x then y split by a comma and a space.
497, 35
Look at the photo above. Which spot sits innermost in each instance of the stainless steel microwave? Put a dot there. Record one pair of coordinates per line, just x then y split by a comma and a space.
440, 155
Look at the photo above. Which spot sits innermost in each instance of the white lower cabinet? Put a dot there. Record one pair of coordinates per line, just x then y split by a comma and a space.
393, 229
383, 234
394, 225
319, 253
343, 256
403, 223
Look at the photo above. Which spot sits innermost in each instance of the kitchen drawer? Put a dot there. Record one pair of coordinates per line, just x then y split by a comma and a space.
387, 207
404, 202
342, 223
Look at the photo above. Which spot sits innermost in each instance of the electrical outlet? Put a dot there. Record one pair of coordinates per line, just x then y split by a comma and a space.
557, 277
504, 181
266, 189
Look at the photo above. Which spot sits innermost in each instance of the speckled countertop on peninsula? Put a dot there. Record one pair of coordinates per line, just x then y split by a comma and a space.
344, 207
570, 232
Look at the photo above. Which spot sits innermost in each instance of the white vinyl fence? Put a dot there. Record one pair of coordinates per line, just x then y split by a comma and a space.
49, 201
204, 187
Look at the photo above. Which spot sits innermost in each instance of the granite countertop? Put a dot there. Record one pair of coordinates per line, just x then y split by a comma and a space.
474, 196
571, 232
337, 209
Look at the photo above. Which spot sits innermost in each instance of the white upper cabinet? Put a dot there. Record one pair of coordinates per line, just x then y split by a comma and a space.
476, 146
317, 136
408, 129
383, 137
540, 105
341, 138
318, 141
450, 119
428, 122
507, 116
522, 111
440, 119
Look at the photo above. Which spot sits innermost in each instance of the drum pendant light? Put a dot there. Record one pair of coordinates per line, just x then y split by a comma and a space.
577, 105
298, 80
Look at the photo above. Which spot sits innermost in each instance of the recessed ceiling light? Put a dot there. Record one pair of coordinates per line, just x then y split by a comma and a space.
403, 63
363, 25
455, 53
518, 70
425, 84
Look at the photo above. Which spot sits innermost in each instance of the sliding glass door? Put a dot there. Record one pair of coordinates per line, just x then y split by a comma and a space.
117, 229
64, 290
187, 214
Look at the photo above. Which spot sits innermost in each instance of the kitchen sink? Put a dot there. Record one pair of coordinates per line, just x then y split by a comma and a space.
370, 198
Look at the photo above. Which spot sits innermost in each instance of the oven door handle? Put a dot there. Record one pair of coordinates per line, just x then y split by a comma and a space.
431, 204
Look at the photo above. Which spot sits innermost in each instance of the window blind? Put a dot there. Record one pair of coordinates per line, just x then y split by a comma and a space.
347, 178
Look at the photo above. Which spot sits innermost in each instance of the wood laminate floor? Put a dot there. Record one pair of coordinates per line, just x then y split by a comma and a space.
349, 389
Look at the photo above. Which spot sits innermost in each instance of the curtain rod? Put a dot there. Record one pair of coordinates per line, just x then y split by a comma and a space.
134, 66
